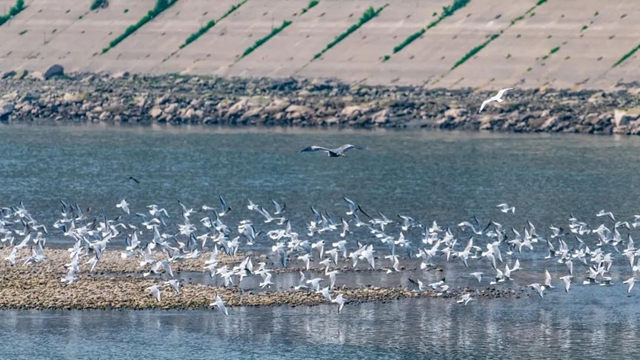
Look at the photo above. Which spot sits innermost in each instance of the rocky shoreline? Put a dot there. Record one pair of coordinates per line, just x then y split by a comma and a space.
176, 100
115, 284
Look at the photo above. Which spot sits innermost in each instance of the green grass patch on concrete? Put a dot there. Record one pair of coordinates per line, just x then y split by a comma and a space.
13, 11
266, 38
551, 52
478, 48
161, 5
474, 51
96, 4
369, 14
446, 12
193, 37
626, 56
409, 40
22, 32
203, 30
232, 9
311, 5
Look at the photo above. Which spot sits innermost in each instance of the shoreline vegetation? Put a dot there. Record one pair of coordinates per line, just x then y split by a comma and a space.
178, 99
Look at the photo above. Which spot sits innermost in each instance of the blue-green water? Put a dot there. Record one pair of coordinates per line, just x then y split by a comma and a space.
559, 328
443, 176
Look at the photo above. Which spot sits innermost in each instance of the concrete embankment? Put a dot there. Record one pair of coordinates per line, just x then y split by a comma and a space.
487, 44
316, 103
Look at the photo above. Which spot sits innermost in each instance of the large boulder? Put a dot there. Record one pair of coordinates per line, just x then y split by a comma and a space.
155, 112
623, 117
6, 108
53, 70
8, 74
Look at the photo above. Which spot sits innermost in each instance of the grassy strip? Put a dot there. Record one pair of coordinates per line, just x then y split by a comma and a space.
13, 11
233, 8
474, 51
161, 5
311, 5
369, 14
98, 4
446, 12
263, 40
626, 56
193, 37
409, 40
478, 48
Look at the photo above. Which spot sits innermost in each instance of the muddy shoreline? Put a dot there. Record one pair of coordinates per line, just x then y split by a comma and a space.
179, 100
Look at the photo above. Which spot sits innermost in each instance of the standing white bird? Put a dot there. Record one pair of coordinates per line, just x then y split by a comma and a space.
497, 98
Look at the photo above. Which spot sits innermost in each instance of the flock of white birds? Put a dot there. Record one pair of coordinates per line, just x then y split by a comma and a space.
183, 241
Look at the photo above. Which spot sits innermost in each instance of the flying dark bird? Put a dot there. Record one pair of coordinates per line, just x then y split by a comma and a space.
134, 179
337, 152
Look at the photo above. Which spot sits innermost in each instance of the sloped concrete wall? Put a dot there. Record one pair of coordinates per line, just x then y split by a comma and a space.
66, 32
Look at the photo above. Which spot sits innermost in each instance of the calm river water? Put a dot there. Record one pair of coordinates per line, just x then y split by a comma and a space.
443, 176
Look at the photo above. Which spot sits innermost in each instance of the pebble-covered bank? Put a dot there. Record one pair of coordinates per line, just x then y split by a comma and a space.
172, 99
117, 284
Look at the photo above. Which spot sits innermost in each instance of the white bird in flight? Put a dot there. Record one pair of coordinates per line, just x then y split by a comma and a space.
505, 208
340, 301
124, 206
567, 282
629, 282
155, 291
497, 98
478, 275
465, 299
220, 304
